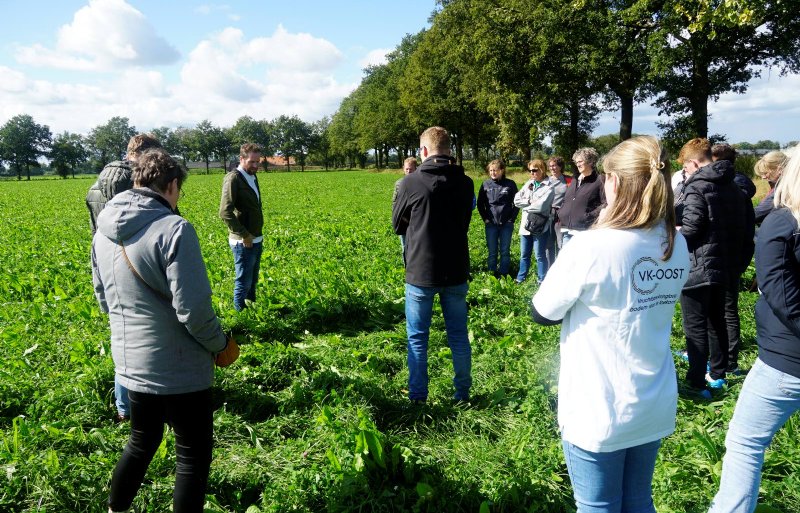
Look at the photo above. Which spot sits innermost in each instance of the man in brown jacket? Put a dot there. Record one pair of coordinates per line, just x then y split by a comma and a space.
240, 209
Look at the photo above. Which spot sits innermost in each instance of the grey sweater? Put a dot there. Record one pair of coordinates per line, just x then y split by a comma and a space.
164, 332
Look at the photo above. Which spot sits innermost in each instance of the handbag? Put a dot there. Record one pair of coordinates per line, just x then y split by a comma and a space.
536, 224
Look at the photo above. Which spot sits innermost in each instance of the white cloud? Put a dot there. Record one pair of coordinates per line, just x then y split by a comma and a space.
301, 51
375, 57
104, 35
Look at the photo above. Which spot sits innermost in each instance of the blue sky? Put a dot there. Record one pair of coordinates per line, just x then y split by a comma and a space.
74, 64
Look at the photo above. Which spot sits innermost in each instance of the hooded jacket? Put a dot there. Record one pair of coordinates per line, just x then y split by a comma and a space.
713, 216
115, 177
433, 210
164, 331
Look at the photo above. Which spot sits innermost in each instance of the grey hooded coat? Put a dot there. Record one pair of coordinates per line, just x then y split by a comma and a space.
164, 333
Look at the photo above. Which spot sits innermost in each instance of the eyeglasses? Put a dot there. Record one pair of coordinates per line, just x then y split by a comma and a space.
535, 170
579, 162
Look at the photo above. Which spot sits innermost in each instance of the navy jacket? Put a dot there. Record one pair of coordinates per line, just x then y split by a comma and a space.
714, 218
433, 210
778, 308
496, 201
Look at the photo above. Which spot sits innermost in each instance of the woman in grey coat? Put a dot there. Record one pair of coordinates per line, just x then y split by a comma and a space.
150, 278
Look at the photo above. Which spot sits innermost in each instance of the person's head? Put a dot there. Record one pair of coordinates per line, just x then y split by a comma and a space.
250, 157
496, 169
434, 141
787, 192
140, 143
409, 165
694, 155
723, 151
555, 165
770, 166
585, 160
156, 170
637, 187
537, 170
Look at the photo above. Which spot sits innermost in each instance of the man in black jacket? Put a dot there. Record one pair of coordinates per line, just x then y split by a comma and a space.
724, 151
433, 210
712, 216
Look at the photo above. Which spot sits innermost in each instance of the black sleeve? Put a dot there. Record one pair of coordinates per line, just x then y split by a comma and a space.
539, 319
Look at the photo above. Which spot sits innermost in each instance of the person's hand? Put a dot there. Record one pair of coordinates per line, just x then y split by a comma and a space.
247, 242
229, 354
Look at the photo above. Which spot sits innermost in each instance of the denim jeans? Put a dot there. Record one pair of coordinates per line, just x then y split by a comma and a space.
247, 262
767, 400
537, 244
191, 417
419, 310
498, 238
618, 481
121, 398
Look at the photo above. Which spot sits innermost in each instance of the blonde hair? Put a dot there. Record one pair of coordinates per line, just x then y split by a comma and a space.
787, 192
497, 164
436, 139
539, 165
644, 197
140, 143
410, 160
769, 166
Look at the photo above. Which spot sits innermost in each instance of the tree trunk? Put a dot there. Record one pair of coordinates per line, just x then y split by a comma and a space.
207, 166
698, 100
626, 117
574, 130
28, 170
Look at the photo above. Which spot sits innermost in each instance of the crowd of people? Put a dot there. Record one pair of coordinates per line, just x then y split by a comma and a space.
614, 252
630, 243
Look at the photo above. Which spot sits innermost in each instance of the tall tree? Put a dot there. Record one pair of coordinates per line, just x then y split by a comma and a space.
249, 130
292, 136
204, 141
22, 142
342, 133
110, 141
68, 151
320, 147
709, 47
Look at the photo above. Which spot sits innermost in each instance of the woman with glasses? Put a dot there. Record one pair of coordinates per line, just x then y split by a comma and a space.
534, 199
585, 196
496, 207
613, 289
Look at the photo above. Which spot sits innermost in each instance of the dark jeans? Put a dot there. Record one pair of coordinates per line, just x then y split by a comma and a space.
732, 322
703, 311
190, 416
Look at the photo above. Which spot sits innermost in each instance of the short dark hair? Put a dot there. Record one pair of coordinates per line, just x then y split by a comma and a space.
156, 169
248, 148
142, 142
723, 151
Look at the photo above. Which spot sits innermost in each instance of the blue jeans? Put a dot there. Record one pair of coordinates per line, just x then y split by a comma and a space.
767, 400
247, 262
121, 398
498, 237
618, 481
419, 310
537, 244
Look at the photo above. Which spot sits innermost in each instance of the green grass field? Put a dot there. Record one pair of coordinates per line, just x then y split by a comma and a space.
313, 417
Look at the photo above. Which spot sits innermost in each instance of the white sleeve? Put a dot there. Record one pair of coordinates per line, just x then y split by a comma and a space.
565, 281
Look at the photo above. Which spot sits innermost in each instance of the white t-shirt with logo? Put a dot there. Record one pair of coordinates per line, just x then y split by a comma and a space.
616, 386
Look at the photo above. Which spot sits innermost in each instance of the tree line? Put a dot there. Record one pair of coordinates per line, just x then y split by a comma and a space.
506, 75
23, 142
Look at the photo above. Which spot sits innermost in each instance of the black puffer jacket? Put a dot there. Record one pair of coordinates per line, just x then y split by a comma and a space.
496, 201
583, 202
712, 213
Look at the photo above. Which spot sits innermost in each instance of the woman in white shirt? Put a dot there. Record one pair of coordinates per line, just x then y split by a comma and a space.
614, 289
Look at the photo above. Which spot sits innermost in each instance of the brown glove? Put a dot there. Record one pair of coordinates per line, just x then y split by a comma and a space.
228, 355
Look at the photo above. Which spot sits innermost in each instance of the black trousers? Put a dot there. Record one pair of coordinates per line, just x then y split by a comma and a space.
190, 416
703, 311
733, 324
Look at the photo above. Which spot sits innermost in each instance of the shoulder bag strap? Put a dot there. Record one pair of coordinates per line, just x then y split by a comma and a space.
136, 273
